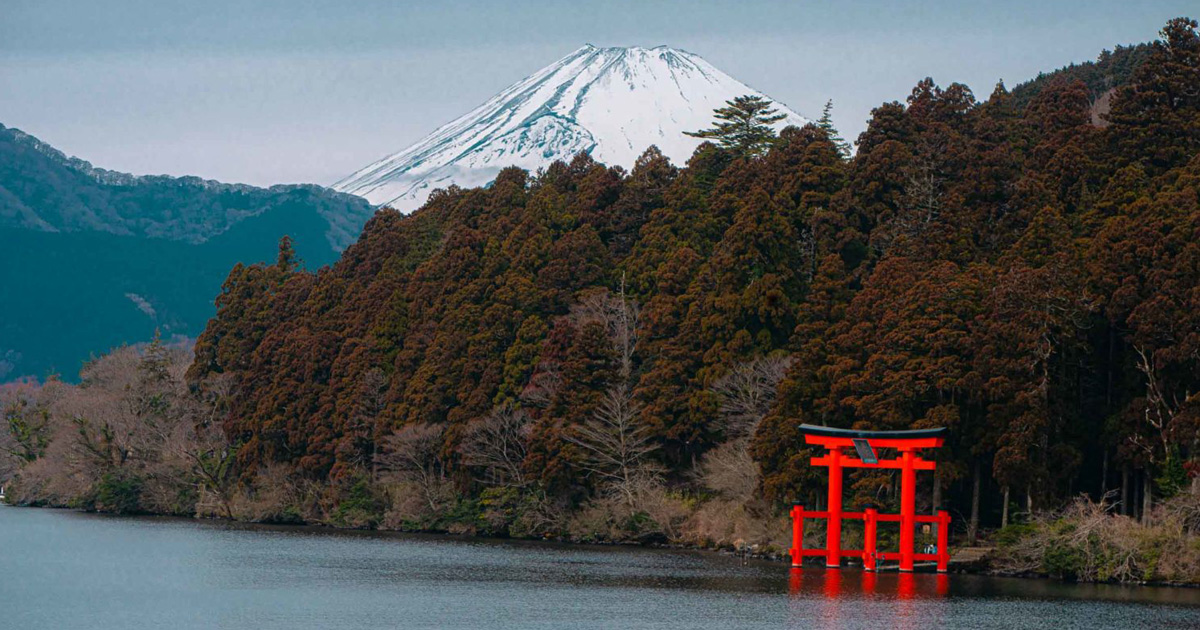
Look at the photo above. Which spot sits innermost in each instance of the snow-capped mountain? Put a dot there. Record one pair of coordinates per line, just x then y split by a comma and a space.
611, 102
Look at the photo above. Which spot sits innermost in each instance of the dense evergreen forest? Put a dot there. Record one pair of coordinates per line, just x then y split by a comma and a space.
621, 354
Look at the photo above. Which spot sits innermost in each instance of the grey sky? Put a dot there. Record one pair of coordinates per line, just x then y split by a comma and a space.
279, 91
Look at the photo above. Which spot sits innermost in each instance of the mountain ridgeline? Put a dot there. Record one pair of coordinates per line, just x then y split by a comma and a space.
91, 259
1014, 272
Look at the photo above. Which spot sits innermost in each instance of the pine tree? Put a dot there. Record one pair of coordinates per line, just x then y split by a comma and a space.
153, 387
826, 124
743, 125
287, 259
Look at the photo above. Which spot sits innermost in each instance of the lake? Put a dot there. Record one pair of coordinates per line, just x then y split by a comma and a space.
65, 570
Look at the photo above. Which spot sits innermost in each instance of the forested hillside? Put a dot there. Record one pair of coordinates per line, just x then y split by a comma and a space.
1017, 274
91, 259
43, 189
619, 354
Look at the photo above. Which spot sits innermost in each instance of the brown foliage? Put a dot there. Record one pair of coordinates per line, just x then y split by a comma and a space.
1004, 268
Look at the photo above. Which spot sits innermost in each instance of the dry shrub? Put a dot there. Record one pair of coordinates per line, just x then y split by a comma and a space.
1183, 511
597, 521
726, 524
1087, 541
416, 504
734, 518
519, 513
643, 509
169, 493
210, 504
667, 511
542, 516
277, 495
730, 471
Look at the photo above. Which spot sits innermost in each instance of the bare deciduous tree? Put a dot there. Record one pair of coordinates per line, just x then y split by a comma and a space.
616, 446
498, 443
1159, 413
26, 430
746, 396
413, 455
619, 315
133, 416
543, 385
368, 407
204, 444
747, 393
730, 470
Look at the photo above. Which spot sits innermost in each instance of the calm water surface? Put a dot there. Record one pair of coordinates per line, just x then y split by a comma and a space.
65, 570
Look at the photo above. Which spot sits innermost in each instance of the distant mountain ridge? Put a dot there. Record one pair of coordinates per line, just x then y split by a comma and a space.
612, 103
92, 258
41, 188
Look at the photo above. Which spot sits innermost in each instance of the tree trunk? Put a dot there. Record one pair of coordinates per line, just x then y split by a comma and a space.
973, 525
1135, 495
374, 460
1104, 477
1147, 495
1125, 489
1004, 512
1029, 501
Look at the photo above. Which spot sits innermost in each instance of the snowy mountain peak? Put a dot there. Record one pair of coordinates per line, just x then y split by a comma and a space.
612, 102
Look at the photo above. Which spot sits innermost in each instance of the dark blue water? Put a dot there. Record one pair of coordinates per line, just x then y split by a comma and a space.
64, 570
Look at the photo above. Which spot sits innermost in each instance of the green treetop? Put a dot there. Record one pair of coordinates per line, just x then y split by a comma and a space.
743, 125
826, 124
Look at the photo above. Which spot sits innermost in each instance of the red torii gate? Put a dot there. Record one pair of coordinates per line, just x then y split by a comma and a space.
906, 443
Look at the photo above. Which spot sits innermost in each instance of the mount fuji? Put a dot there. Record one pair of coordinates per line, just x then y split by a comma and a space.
611, 102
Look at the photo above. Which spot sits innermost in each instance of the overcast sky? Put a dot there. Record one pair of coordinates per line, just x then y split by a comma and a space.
281, 91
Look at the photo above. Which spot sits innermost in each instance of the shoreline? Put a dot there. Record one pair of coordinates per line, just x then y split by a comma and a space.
974, 568
76, 569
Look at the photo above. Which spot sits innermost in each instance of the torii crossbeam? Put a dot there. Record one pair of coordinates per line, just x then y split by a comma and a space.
864, 444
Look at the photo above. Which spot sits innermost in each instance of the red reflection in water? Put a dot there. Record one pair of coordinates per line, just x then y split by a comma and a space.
830, 611
795, 581
906, 586
826, 598
870, 580
905, 609
833, 583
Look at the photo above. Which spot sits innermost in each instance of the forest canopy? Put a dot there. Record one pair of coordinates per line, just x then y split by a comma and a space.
635, 348
1018, 274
